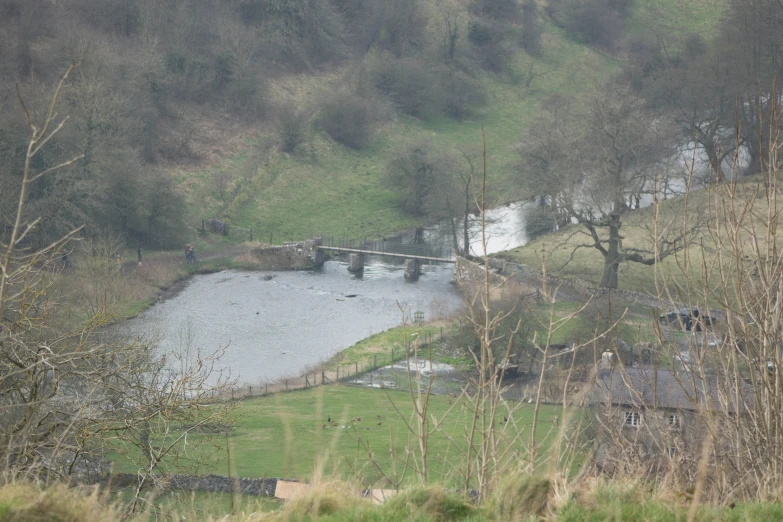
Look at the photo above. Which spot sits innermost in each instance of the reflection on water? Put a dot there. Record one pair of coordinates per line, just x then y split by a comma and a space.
276, 327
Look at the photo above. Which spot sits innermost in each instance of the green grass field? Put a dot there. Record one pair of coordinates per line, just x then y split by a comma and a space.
281, 435
678, 17
383, 347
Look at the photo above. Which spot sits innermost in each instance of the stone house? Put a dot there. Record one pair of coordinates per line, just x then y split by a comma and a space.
646, 416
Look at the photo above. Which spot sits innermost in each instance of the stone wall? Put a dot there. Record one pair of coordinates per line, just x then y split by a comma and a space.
291, 256
468, 271
214, 483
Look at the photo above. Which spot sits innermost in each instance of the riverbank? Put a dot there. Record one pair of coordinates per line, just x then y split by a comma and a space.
163, 275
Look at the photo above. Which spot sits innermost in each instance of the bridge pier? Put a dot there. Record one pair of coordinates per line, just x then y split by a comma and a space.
412, 270
356, 263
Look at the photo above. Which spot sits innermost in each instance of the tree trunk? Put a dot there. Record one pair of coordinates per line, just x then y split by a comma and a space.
715, 162
454, 238
612, 255
465, 222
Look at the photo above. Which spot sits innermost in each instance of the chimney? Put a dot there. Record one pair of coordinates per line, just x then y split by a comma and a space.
607, 361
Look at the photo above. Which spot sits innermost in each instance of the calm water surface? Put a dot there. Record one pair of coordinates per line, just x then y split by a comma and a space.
277, 327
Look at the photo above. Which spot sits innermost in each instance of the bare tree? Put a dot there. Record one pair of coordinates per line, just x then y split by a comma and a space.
722, 435
605, 157
702, 97
67, 389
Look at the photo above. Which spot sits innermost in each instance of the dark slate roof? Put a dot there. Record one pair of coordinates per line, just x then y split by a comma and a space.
651, 388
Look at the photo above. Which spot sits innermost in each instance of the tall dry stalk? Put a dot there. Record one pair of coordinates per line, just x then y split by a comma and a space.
728, 378
496, 448
70, 390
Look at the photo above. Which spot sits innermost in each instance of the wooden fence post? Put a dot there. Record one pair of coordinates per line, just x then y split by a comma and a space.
356, 372
286, 384
322, 376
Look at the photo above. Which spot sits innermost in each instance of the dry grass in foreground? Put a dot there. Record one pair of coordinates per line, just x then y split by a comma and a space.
520, 498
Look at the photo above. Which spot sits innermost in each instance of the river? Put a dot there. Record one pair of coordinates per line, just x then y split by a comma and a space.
274, 327
277, 327
505, 229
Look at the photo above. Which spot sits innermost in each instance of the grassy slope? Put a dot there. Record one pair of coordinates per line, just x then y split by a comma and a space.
679, 18
682, 275
676, 16
281, 435
587, 263
331, 190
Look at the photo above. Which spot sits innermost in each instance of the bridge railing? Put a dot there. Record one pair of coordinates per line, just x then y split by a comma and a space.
391, 246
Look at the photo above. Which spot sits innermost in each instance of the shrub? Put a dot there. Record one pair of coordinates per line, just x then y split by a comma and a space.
489, 45
299, 33
460, 93
409, 84
521, 498
501, 10
412, 172
247, 95
432, 502
404, 27
29, 503
349, 119
530, 37
597, 22
291, 127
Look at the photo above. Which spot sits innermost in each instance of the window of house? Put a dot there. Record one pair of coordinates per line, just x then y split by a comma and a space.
674, 420
632, 418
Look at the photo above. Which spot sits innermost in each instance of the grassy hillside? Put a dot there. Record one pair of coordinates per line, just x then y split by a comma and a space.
687, 270
331, 190
587, 263
676, 16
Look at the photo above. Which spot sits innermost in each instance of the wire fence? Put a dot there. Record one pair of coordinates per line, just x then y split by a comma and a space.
338, 373
393, 246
